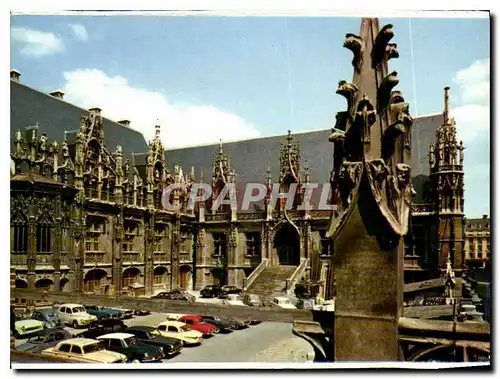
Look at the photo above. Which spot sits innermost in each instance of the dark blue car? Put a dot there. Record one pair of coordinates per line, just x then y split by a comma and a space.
43, 340
48, 316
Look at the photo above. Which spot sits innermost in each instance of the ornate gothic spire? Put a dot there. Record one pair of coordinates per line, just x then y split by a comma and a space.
289, 160
221, 168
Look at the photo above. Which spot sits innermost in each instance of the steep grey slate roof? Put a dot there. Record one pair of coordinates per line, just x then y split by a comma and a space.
54, 116
251, 157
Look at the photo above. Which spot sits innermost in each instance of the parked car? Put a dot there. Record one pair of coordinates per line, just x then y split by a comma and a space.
84, 350
171, 346
180, 331
233, 299
211, 291
174, 316
26, 328
74, 315
177, 294
141, 312
197, 323
305, 304
226, 290
48, 316
102, 312
101, 327
126, 313
283, 302
44, 339
126, 344
224, 325
252, 300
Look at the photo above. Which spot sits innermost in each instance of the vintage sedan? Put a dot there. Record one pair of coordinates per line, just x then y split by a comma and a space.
126, 344
84, 350
224, 325
227, 290
102, 312
210, 291
126, 313
283, 302
48, 316
141, 312
144, 335
74, 315
176, 294
44, 339
98, 328
197, 323
180, 331
26, 328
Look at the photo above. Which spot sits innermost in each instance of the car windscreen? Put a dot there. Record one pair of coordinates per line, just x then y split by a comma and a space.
184, 328
131, 341
78, 310
93, 347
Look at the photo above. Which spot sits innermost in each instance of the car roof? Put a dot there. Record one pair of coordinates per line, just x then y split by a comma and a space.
140, 327
70, 305
80, 341
118, 336
173, 323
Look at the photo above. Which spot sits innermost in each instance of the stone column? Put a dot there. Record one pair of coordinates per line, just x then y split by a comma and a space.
148, 254
117, 238
176, 241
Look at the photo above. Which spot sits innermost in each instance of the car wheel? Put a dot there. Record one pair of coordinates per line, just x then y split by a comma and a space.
75, 324
136, 361
216, 330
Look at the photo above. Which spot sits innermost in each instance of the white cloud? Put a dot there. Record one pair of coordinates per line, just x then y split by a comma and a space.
80, 32
473, 114
181, 125
36, 43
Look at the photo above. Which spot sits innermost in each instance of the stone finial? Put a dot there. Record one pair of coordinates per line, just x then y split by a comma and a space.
95, 110
157, 129
446, 105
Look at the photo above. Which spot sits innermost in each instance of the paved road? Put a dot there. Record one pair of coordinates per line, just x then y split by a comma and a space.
267, 341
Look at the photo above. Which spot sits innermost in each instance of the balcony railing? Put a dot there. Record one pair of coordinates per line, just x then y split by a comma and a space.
160, 257
94, 257
18, 259
44, 259
186, 257
130, 257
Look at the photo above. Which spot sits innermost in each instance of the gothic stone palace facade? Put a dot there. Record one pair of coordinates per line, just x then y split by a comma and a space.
86, 212
85, 219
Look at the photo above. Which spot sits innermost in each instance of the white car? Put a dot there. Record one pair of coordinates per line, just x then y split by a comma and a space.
233, 299
283, 302
179, 331
74, 315
84, 350
174, 316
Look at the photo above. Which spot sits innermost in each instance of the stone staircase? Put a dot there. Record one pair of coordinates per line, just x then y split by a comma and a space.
271, 281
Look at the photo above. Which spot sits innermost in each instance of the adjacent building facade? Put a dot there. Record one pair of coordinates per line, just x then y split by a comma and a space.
477, 241
87, 212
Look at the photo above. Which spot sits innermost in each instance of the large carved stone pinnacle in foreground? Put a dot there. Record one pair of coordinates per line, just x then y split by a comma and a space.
371, 185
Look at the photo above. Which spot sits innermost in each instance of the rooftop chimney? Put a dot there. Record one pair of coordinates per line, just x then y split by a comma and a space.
446, 104
57, 94
15, 75
124, 122
485, 217
95, 110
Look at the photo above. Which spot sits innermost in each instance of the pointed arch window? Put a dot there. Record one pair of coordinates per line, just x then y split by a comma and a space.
20, 238
43, 238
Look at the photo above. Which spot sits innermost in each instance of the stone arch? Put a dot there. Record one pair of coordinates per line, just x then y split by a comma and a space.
130, 276
45, 283
94, 280
219, 276
64, 285
286, 243
186, 277
160, 274
21, 283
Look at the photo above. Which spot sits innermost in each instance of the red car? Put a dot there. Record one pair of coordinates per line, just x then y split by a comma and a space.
197, 323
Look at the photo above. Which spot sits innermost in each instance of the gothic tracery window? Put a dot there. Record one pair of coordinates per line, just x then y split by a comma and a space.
129, 237
43, 238
253, 244
20, 242
94, 231
220, 244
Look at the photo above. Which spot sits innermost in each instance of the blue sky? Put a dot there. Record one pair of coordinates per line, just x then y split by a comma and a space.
207, 78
